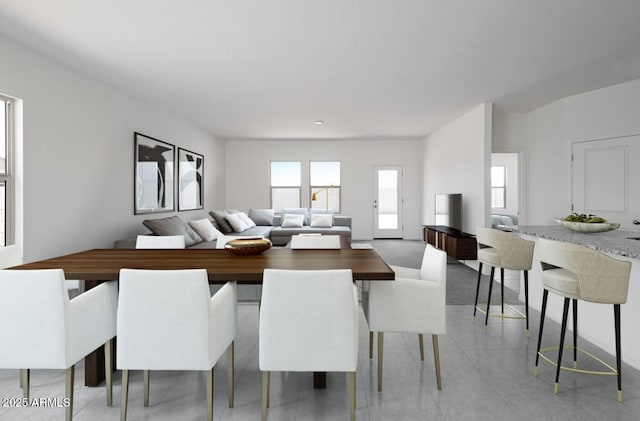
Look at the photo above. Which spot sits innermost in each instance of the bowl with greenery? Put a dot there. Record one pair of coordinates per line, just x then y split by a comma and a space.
581, 222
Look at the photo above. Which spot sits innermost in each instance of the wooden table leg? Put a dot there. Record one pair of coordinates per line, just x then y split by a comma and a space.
94, 362
319, 380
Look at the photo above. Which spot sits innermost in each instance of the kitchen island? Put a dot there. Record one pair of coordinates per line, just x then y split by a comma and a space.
595, 321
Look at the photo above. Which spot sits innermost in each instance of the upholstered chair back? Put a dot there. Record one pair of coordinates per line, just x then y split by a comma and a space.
509, 251
315, 242
308, 321
601, 279
160, 242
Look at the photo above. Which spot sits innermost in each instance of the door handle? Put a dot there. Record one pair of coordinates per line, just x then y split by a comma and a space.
636, 222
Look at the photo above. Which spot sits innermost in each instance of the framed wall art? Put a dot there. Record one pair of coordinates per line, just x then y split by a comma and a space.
154, 175
190, 180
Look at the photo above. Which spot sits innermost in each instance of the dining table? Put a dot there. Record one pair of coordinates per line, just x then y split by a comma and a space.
100, 265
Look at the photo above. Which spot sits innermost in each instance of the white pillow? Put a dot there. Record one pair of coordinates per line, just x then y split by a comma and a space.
205, 229
292, 220
321, 220
247, 220
236, 222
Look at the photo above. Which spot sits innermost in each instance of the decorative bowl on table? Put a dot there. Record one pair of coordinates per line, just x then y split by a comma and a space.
587, 226
246, 246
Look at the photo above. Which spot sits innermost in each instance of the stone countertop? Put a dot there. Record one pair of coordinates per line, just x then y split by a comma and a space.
613, 242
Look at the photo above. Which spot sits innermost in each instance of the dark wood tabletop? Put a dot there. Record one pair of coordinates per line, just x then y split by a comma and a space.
221, 265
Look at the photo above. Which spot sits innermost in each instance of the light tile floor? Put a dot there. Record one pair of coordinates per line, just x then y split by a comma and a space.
486, 376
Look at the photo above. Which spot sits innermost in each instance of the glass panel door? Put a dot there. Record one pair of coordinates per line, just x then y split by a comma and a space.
387, 202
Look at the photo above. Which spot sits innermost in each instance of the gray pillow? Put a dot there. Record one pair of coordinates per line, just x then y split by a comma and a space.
173, 225
220, 217
297, 211
262, 217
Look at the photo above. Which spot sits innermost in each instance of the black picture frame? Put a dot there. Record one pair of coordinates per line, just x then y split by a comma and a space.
190, 180
154, 179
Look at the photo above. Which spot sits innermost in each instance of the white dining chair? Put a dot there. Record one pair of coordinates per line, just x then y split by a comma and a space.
167, 320
315, 241
308, 322
415, 302
43, 329
160, 242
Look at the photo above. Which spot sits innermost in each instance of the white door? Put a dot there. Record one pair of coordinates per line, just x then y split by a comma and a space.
387, 202
606, 179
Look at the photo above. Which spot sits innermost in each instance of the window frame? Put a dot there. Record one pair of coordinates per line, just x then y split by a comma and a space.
495, 189
7, 177
313, 188
272, 188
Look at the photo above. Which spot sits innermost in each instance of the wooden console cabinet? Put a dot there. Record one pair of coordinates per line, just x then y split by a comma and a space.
457, 244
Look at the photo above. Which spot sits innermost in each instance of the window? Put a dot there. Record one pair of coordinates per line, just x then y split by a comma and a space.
286, 181
498, 187
6, 182
324, 182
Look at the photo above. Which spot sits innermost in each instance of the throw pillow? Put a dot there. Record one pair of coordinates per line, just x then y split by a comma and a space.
322, 221
297, 211
173, 225
236, 222
247, 220
220, 217
205, 229
292, 220
262, 217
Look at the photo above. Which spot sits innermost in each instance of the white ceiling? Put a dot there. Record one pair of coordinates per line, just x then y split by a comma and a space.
368, 68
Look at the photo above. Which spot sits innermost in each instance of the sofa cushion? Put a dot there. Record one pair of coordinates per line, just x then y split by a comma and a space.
220, 216
321, 221
297, 211
173, 225
261, 216
258, 231
205, 229
247, 220
236, 222
290, 220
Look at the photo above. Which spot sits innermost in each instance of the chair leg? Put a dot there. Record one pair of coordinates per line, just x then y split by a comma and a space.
351, 380
526, 301
69, 392
265, 394
616, 315
25, 377
475, 305
108, 370
565, 314
436, 360
145, 383
502, 290
380, 352
421, 343
575, 333
125, 395
486, 319
210, 394
545, 297
370, 345
230, 373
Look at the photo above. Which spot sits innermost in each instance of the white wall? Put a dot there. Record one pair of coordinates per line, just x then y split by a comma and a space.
78, 154
248, 175
457, 159
550, 130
